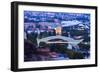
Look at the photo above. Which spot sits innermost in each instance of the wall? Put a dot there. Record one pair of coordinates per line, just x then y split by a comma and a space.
5, 36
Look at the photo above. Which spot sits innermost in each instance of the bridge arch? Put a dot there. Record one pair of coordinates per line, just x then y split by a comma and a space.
71, 41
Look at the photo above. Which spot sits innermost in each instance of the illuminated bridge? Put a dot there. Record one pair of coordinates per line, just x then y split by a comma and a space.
71, 42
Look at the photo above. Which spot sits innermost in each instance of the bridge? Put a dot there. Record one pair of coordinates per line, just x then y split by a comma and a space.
71, 42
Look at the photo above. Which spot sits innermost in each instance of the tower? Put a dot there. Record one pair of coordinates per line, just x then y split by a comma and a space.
58, 30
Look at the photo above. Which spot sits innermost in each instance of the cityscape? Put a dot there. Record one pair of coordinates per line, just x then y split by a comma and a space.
50, 36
